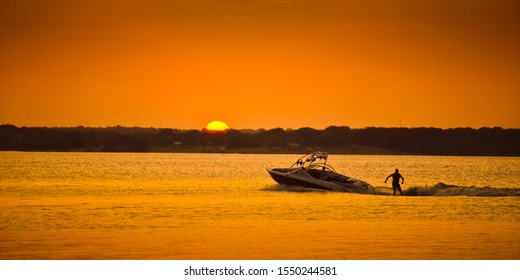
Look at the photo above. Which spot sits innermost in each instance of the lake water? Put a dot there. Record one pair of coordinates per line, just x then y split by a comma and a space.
225, 206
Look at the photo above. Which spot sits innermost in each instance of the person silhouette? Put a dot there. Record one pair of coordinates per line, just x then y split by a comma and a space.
395, 181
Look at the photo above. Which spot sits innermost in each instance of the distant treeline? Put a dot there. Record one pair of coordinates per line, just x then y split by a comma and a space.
425, 141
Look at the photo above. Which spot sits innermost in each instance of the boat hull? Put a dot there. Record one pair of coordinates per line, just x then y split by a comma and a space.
286, 179
287, 176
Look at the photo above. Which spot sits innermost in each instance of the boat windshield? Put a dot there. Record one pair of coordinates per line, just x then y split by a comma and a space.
321, 166
316, 160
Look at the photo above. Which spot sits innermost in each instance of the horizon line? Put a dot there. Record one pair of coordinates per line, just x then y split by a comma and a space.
257, 129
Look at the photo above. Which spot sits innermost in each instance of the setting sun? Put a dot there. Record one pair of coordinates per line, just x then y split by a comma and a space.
216, 126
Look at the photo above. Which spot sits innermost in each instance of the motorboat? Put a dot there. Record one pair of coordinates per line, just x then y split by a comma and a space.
312, 171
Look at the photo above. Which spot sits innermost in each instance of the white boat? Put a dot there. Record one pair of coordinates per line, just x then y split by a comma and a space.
312, 171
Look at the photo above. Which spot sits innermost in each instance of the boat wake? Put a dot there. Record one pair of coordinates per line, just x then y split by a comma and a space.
441, 189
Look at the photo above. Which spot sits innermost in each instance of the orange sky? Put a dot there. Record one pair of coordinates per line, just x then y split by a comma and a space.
260, 63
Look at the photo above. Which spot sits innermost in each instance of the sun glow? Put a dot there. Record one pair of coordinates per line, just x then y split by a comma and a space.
216, 126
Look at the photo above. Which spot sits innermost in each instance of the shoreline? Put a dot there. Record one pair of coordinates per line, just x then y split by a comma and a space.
259, 151
335, 140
